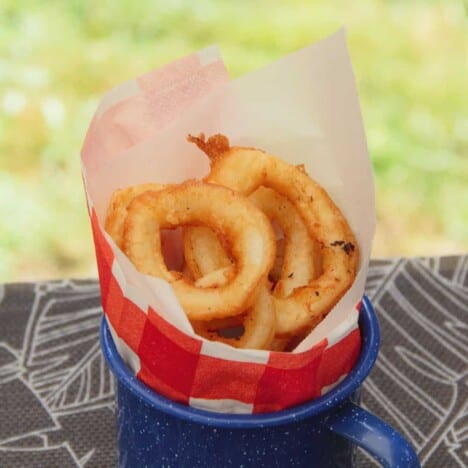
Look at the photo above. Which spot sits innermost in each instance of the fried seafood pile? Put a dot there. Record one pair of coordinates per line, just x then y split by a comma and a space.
267, 253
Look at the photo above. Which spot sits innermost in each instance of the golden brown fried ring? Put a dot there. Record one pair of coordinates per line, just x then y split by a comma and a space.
301, 262
258, 325
209, 258
297, 260
117, 211
115, 218
203, 251
246, 228
245, 170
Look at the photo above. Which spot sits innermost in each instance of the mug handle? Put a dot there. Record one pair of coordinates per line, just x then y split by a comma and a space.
375, 436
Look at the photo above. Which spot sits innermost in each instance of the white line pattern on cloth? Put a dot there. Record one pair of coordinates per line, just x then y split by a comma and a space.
60, 393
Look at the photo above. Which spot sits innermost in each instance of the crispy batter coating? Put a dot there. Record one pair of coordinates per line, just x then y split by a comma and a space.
226, 212
230, 249
245, 170
118, 206
208, 261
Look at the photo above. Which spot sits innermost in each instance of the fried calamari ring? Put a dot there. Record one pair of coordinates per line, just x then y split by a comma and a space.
297, 263
301, 259
203, 252
246, 228
208, 259
117, 211
305, 307
258, 325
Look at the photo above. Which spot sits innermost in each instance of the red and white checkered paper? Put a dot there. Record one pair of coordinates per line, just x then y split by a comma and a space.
304, 108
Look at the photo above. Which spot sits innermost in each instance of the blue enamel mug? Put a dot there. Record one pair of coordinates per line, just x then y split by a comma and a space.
153, 431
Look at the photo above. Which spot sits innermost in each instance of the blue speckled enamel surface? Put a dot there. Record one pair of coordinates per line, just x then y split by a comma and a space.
149, 438
155, 432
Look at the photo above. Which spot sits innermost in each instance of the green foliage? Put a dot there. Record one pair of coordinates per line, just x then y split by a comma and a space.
57, 58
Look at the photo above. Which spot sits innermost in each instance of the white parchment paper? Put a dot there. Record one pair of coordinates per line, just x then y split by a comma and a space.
302, 108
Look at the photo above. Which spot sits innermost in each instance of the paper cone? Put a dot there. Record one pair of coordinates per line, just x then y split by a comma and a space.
303, 108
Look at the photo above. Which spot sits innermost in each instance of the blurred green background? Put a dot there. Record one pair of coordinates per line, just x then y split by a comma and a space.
57, 58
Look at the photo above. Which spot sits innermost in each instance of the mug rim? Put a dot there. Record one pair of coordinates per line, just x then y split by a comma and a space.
370, 341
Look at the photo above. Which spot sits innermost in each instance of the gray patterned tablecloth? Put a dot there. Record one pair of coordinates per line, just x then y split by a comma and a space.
56, 394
